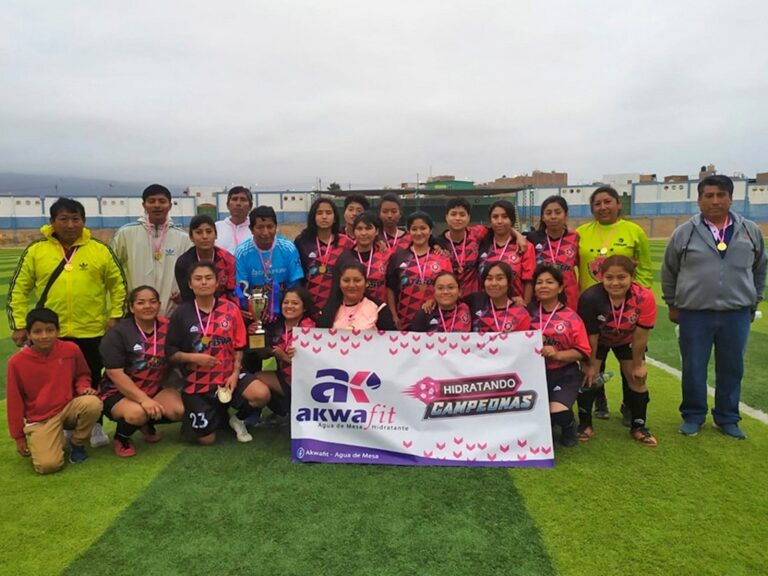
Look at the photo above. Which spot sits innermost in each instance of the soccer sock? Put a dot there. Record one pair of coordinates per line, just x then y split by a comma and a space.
638, 407
625, 389
585, 400
279, 404
124, 429
246, 410
562, 419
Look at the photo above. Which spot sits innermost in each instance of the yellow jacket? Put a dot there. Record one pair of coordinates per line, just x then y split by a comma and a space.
85, 298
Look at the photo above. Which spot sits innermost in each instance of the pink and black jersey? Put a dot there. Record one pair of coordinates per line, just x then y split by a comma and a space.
457, 319
522, 264
563, 253
140, 355
465, 255
615, 325
375, 263
224, 335
412, 279
563, 329
224, 263
279, 337
318, 260
487, 318
401, 240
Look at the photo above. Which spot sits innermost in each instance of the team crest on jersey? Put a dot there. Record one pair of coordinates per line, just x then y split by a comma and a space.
225, 324
570, 252
560, 327
633, 317
435, 266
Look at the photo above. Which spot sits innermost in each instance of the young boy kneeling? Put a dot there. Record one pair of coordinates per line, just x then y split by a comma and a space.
48, 390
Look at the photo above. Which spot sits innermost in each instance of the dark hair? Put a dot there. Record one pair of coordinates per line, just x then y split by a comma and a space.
419, 215
447, 273
66, 205
389, 197
199, 220
458, 203
504, 268
311, 230
263, 212
557, 274
369, 218
610, 190
722, 182
304, 296
44, 315
618, 260
155, 190
240, 190
200, 264
551, 200
135, 293
359, 198
507, 206
335, 300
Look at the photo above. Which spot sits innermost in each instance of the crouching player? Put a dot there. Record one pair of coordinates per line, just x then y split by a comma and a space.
134, 356
206, 337
49, 390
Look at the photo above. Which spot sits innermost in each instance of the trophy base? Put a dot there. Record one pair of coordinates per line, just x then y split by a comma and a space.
257, 341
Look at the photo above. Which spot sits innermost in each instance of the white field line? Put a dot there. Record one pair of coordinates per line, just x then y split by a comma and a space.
748, 410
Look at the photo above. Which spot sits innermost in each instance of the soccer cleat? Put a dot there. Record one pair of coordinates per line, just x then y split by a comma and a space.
585, 433
98, 436
240, 430
732, 430
123, 447
77, 454
689, 428
569, 436
644, 436
150, 433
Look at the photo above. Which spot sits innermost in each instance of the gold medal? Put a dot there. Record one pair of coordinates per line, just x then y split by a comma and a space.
322, 269
158, 255
205, 340
722, 246
603, 251
68, 267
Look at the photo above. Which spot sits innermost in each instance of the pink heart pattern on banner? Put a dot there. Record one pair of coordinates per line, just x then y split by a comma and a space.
415, 350
355, 345
465, 337
304, 343
493, 351
465, 351
458, 440
317, 336
368, 337
316, 350
491, 456
522, 456
305, 330
546, 449
332, 331
458, 454
453, 345
442, 339
529, 335
407, 443
404, 345
482, 446
429, 345
331, 345
469, 446
427, 454
394, 338
522, 443
344, 351
415, 337
393, 351
442, 352
440, 445
345, 338
480, 345
533, 450
504, 448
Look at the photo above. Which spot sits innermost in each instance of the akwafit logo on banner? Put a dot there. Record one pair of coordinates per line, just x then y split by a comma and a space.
414, 398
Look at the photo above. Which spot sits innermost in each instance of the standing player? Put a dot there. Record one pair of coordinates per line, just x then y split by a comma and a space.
502, 246
565, 345
148, 249
202, 232
618, 315
206, 337
319, 246
411, 273
462, 242
367, 252
354, 204
554, 244
134, 357
390, 211
233, 231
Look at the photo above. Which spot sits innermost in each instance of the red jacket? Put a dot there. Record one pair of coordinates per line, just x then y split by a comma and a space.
39, 386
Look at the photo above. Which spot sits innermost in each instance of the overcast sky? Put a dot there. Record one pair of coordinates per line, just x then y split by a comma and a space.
365, 93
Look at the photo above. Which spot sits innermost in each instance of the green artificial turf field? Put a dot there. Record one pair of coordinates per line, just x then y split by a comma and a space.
691, 506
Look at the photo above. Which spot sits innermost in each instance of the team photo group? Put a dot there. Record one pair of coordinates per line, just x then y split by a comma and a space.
171, 325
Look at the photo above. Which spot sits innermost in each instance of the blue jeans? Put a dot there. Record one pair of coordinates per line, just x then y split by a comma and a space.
728, 332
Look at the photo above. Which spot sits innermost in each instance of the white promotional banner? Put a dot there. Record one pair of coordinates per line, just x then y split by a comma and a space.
412, 398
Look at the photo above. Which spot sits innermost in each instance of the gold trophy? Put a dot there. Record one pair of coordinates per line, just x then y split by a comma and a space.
257, 301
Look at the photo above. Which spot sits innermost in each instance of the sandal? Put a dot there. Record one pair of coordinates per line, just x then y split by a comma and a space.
585, 433
644, 436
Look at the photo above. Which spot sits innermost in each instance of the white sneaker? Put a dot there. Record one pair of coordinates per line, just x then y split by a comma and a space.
240, 430
98, 437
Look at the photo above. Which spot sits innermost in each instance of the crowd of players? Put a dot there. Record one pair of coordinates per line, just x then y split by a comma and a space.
155, 328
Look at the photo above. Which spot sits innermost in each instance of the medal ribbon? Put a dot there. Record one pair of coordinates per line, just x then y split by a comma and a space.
324, 258
557, 250
154, 335
442, 319
370, 261
463, 258
234, 231
418, 265
621, 314
157, 245
67, 265
266, 265
506, 245
495, 318
541, 316
719, 234
394, 240
200, 319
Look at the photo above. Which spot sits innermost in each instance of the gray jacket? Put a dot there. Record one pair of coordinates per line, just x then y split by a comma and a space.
695, 277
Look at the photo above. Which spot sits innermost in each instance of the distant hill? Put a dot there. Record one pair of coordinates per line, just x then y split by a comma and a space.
12, 184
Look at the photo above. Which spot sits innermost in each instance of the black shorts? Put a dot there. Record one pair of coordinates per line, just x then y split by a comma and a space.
110, 403
204, 414
623, 352
563, 384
